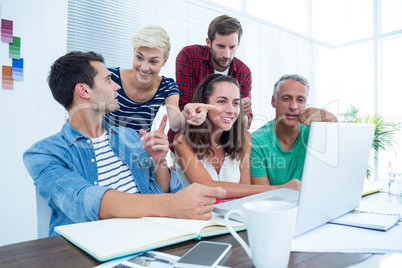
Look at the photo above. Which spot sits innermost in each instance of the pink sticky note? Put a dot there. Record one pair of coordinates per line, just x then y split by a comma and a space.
7, 31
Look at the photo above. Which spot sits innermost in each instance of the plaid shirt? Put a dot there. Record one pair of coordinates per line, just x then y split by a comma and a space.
193, 65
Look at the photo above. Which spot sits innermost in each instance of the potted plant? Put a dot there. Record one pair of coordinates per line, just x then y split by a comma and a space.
384, 135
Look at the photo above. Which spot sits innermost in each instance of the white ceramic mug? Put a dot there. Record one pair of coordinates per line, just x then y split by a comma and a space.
270, 226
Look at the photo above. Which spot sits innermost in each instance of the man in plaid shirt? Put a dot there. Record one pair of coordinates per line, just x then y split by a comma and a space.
196, 62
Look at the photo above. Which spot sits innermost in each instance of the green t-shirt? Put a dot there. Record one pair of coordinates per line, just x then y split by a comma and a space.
268, 158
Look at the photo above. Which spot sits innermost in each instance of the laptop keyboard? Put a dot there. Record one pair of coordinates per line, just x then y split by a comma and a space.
269, 198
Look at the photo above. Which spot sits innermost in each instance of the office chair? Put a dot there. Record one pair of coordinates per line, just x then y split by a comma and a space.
43, 213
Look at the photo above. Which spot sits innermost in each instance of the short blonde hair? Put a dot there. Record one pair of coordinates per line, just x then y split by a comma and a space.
152, 36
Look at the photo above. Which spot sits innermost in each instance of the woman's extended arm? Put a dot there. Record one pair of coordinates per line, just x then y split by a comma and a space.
193, 113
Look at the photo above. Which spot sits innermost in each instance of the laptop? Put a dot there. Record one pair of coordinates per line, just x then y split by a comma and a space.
334, 171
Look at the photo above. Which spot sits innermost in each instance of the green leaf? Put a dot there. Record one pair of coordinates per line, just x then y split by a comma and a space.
384, 135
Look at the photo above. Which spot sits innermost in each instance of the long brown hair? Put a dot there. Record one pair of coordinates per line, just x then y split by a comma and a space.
199, 137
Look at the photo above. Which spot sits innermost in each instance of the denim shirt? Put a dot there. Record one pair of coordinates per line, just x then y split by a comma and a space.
65, 172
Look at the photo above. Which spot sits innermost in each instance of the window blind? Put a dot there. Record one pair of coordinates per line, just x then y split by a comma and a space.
106, 26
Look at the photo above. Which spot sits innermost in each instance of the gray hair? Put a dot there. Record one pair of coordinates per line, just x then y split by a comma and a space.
295, 77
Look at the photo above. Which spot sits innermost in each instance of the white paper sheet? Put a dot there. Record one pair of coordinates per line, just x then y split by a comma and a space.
338, 238
156, 260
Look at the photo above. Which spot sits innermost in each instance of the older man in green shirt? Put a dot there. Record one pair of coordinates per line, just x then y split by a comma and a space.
279, 148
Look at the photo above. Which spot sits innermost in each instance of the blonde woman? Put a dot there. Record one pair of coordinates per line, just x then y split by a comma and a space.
142, 90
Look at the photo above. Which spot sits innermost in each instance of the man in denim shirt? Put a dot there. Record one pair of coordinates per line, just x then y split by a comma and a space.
70, 173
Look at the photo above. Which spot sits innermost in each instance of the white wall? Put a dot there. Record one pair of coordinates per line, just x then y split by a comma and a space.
28, 113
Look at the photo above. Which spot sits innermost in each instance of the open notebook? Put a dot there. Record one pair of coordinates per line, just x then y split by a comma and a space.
113, 238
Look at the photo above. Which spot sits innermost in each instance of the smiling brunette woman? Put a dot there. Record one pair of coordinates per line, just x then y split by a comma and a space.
217, 152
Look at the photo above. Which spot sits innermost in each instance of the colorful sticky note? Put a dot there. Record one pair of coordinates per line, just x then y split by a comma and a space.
7, 31
18, 69
15, 48
7, 79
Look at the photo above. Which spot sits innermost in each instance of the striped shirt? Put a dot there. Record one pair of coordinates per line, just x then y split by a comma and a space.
112, 172
139, 115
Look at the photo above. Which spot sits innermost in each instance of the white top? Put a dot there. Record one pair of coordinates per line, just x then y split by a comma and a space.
230, 171
225, 72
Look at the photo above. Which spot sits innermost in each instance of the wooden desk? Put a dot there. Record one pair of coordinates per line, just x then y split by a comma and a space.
58, 252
